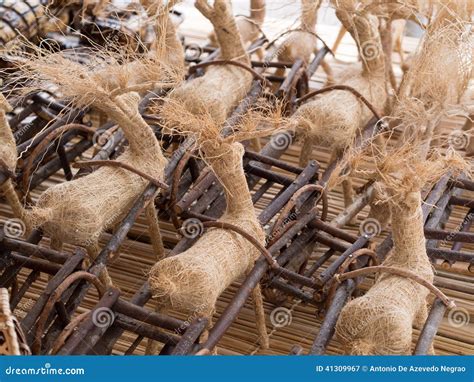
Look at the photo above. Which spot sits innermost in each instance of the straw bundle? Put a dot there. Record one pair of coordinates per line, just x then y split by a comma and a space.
77, 212
435, 83
334, 119
439, 75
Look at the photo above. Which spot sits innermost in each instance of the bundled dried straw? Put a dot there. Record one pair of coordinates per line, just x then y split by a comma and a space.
77, 212
194, 279
381, 321
222, 87
334, 119
439, 75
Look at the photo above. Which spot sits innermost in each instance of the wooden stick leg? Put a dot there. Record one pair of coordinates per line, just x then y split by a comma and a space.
340, 36
256, 145
152, 345
348, 192
93, 251
154, 230
306, 151
257, 300
329, 73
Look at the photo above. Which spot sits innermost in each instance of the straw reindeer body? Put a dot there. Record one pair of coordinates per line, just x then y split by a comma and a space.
222, 87
334, 119
77, 212
193, 280
381, 321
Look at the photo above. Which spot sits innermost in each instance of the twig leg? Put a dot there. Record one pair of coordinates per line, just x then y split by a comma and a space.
340, 36
154, 230
256, 145
348, 192
93, 251
152, 345
306, 151
260, 317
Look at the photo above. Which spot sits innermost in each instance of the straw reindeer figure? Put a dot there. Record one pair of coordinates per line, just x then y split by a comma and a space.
192, 281
77, 212
249, 27
380, 322
301, 43
222, 87
435, 83
334, 119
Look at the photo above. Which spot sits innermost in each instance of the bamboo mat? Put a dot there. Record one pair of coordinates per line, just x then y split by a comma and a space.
136, 257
